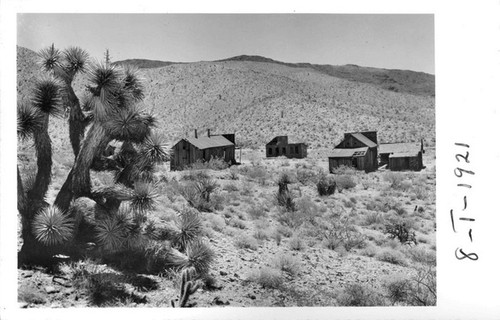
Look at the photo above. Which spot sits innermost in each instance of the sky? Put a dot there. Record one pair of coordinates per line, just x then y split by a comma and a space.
398, 41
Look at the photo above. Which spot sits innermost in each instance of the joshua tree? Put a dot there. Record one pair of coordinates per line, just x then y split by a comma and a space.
110, 109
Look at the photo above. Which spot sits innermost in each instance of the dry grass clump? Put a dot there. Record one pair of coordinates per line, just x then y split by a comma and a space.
296, 243
267, 278
216, 222
357, 295
306, 176
261, 234
245, 241
392, 256
257, 212
345, 182
287, 263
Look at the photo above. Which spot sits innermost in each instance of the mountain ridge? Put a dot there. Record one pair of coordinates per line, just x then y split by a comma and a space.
398, 80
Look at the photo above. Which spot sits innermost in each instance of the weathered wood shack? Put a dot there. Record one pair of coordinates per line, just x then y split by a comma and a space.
190, 150
402, 156
357, 150
280, 146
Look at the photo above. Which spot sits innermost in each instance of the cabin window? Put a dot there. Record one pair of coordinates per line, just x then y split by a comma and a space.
277, 151
296, 149
284, 150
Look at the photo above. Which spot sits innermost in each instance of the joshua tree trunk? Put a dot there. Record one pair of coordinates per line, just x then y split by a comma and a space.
65, 195
94, 144
76, 121
43, 146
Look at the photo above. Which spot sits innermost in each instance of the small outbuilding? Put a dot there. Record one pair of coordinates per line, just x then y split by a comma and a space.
357, 150
190, 150
402, 156
280, 146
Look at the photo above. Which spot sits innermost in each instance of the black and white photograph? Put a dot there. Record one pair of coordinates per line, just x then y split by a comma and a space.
231, 161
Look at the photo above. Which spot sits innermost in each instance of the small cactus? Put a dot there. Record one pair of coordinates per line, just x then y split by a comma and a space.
188, 287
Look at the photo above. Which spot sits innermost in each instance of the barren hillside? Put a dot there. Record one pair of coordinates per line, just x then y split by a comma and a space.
258, 100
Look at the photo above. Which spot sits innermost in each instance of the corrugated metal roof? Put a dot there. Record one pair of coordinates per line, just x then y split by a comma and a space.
346, 153
210, 142
404, 154
364, 140
413, 147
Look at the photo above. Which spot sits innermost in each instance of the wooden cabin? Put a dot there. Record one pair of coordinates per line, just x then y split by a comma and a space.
280, 146
357, 150
190, 150
402, 156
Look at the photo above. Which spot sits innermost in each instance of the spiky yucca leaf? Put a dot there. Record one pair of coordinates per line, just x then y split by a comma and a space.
76, 59
200, 256
111, 233
190, 227
29, 120
144, 197
49, 58
154, 149
133, 82
47, 96
52, 227
128, 124
105, 88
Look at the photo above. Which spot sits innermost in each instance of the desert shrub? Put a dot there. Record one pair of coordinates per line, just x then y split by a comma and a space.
339, 230
237, 223
422, 255
230, 187
267, 278
261, 234
420, 192
276, 235
326, 185
304, 210
296, 243
397, 289
369, 251
422, 290
287, 263
394, 178
345, 182
372, 217
212, 164
257, 212
357, 295
217, 223
306, 176
401, 232
284, 230
285, 200
392, 256
256, 173
233, 173
246, 242
189, 225
344, 170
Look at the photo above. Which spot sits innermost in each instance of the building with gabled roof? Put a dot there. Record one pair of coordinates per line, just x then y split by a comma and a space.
192, 149
357, 150
280, 146
402, 156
